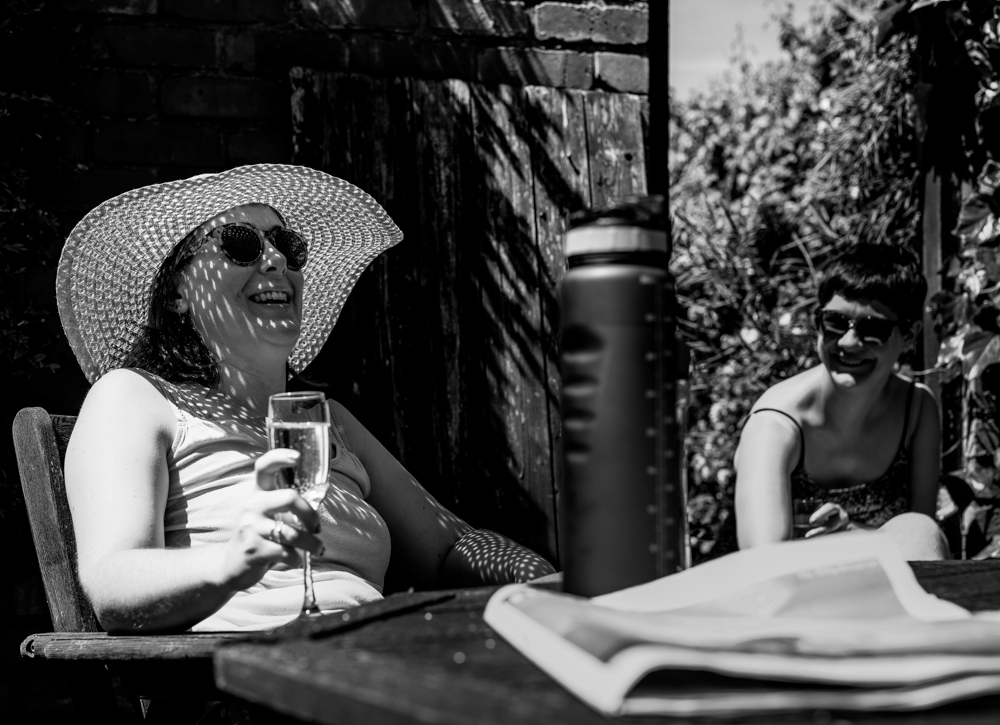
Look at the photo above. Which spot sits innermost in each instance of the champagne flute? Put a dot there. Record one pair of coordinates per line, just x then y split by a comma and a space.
802, 510
301, 421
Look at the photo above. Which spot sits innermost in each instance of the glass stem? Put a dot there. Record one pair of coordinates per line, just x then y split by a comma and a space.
309, 601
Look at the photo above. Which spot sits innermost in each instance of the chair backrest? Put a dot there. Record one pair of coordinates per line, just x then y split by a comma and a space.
40, 442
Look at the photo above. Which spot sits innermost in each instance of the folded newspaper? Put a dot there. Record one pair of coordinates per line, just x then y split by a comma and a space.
836, 622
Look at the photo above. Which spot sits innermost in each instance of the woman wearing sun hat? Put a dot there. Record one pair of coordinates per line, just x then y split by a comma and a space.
850, 441
187, 304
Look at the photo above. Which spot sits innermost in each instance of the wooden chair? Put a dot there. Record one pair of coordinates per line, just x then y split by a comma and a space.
40, 443
168, 667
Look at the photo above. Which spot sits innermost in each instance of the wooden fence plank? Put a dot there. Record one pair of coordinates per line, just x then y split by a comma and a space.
561, 166
368, 141
561, 179
510, 298
617, 150
469, 419
307, 117
443, 143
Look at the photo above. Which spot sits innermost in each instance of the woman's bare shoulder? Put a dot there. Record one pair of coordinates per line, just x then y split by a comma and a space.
344, 417
920, 390
359, 439
338, 408
125, 380
127, 397
792, 395
924, 403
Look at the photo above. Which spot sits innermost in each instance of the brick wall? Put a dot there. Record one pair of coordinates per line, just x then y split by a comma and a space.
168, 88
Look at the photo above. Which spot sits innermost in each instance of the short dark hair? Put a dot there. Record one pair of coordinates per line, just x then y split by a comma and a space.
170, 346
886, 273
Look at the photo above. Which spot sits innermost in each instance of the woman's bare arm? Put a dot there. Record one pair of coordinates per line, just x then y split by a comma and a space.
768, 451
925, 453
116, 483
434, 546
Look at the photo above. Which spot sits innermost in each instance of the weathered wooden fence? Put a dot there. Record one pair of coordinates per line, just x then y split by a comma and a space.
447, 348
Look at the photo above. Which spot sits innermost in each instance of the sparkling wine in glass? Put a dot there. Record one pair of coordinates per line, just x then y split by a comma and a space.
301, 421
802, 510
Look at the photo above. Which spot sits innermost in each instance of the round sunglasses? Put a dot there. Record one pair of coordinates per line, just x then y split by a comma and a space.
870, 330
243, 243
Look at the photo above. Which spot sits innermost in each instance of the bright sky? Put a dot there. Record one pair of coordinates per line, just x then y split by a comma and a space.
703, 34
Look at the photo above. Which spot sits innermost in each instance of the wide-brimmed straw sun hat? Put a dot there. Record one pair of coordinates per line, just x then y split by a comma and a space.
106, 271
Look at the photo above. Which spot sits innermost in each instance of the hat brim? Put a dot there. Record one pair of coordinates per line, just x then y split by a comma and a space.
105, 274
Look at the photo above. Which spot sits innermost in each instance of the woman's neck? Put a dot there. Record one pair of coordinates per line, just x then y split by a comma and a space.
848, 407
250, 389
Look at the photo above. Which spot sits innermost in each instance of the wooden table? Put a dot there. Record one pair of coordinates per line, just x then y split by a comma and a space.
430, 658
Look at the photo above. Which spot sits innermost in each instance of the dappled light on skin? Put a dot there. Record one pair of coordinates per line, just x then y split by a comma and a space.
221, 290
495, 558
340, 510
216, 406
339, 501
221, 409
229, 304
445, 518
344, 509
346, 518
238, 381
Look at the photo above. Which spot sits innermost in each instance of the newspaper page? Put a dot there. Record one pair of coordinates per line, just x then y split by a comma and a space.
833, 622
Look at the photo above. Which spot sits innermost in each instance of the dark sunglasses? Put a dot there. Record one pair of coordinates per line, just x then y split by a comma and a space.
243, 243
871, 330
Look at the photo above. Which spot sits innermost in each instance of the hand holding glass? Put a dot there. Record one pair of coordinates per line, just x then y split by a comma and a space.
816, 517
301, 421
802, 510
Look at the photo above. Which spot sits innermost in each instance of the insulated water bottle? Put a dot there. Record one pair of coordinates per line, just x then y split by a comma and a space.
622, 505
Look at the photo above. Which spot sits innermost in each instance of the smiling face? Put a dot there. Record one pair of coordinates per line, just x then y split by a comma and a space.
852, 361
247, 315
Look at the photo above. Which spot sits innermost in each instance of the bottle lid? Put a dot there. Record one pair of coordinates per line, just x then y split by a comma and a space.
629, 224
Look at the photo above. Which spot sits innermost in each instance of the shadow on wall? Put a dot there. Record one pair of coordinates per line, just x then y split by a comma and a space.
447, 347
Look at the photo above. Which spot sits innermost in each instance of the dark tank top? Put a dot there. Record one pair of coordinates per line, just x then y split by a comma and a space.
871, 503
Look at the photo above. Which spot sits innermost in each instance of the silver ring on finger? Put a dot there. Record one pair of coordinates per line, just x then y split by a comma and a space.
276, 532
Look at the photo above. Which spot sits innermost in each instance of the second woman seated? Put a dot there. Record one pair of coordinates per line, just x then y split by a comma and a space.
851, 439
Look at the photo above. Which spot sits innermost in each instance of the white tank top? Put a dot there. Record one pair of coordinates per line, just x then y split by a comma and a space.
211, 474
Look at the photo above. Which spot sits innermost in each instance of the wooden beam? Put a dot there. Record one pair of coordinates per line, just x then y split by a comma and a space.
932, 257
657, 49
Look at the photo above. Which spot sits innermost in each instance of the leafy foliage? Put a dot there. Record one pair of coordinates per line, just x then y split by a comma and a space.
960, 42
773, 170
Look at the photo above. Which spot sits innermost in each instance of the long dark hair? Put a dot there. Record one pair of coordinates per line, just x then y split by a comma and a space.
169, 345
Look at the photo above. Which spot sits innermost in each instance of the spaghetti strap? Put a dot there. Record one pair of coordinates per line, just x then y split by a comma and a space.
337, 430
906, 416
802, 437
